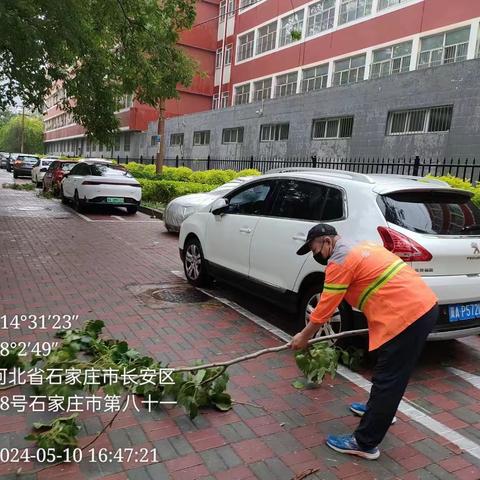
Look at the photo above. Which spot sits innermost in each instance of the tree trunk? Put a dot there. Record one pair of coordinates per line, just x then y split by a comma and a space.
161, 132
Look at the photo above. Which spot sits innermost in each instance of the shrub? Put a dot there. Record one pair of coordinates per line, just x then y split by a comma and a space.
213, 177
180, 174
247, 172
165, 190
462, 184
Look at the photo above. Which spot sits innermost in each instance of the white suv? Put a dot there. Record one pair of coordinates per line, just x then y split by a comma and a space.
249, 238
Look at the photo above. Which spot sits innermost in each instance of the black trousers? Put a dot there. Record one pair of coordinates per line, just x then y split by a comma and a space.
396, 361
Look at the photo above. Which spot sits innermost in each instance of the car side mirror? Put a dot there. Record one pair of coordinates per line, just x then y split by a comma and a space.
219, 206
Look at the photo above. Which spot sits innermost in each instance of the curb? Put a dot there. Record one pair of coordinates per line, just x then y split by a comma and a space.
153, 212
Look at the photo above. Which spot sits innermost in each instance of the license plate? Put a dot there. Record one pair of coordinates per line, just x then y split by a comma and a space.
114, 200
462, 312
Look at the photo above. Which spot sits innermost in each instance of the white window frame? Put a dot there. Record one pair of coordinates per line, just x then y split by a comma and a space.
274, 132
215, 101
319, 19
316, 80
267, 37
408, 114
222, 10
288, 24
218, 58
362, 8
328, 122
176, 139
245, 46
233, 135
242, 94
357, 72
384, 4
224, 100
463, 47
286, 84
268, 89
201, 138
228, 54
231, 8
396, 63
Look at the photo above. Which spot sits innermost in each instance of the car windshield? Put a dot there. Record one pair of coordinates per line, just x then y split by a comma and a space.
46, 163
102, 170
434, 212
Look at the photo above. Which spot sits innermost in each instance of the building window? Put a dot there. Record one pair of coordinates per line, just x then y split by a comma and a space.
247, 3
126, 142
218, 58
292, 23
117, 143
224, 100
340, 127
350, 70
395, 59
262, 90
267, 36
245, 46
274, 132
242, 94
314, 78
352, 9
223, 6
201, 138
215, 101
176, 139
320, 17
228, 54
444, 48
286, 84
232, 135
382, 4
231, 8
421, 120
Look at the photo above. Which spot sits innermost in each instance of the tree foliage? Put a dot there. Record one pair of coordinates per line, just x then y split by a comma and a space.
98, 50
11, 135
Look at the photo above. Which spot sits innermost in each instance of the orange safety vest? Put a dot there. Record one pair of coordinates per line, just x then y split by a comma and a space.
377, 282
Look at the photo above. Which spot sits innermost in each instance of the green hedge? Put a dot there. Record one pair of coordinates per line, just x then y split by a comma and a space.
184, 174
464, 185
163, 191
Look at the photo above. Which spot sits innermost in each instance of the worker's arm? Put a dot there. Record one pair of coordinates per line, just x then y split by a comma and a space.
337, 281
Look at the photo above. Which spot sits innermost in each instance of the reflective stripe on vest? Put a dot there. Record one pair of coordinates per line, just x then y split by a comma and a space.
380, 281
335, 287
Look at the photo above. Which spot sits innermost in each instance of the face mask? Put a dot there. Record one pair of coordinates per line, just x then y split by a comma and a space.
319, 259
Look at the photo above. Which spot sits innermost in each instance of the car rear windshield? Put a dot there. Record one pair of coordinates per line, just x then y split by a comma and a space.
66, 167
102, 170
434, 212
27, 159
46, 163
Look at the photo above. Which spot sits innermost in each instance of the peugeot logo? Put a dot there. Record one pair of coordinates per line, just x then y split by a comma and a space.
476, 249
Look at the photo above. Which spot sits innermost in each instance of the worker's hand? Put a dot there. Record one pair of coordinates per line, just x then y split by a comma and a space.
299, 341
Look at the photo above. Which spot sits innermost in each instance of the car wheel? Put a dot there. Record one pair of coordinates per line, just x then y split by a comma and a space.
194, 264
39, 184
132, 209
15, 175
63, 197
341, 321
77, 203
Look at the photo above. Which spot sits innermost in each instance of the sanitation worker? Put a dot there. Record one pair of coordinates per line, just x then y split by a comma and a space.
401, 311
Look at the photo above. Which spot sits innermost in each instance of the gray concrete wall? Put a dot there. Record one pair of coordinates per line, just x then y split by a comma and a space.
369, 102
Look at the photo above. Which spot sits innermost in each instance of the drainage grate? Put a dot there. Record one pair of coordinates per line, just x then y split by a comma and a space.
179, 294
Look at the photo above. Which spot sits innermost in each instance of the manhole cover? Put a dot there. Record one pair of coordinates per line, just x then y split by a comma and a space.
179, 294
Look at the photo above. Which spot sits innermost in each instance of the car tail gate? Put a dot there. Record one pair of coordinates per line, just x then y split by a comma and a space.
437, 231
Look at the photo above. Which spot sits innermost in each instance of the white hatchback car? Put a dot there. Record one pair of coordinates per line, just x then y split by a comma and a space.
99, 183
249, 238
40, 169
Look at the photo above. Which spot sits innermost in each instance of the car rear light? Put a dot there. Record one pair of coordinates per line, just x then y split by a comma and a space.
406, 248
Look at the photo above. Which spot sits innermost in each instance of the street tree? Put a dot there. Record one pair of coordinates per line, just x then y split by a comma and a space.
97, 50
11, 135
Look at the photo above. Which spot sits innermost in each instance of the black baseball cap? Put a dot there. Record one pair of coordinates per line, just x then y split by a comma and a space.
320, 230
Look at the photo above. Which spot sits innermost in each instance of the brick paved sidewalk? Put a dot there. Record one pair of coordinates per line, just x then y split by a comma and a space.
54, 262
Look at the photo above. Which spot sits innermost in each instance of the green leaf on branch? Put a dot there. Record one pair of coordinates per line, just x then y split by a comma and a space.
11, 359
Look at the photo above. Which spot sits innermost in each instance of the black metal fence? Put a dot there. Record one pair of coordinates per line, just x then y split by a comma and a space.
465, 168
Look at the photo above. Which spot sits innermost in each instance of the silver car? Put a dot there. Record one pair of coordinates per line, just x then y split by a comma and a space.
181, 208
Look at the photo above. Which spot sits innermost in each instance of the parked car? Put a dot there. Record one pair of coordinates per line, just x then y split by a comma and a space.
11, 159
39, 170
249, 238
23, 165
4, 159
95, 183
54, 175
182, 207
